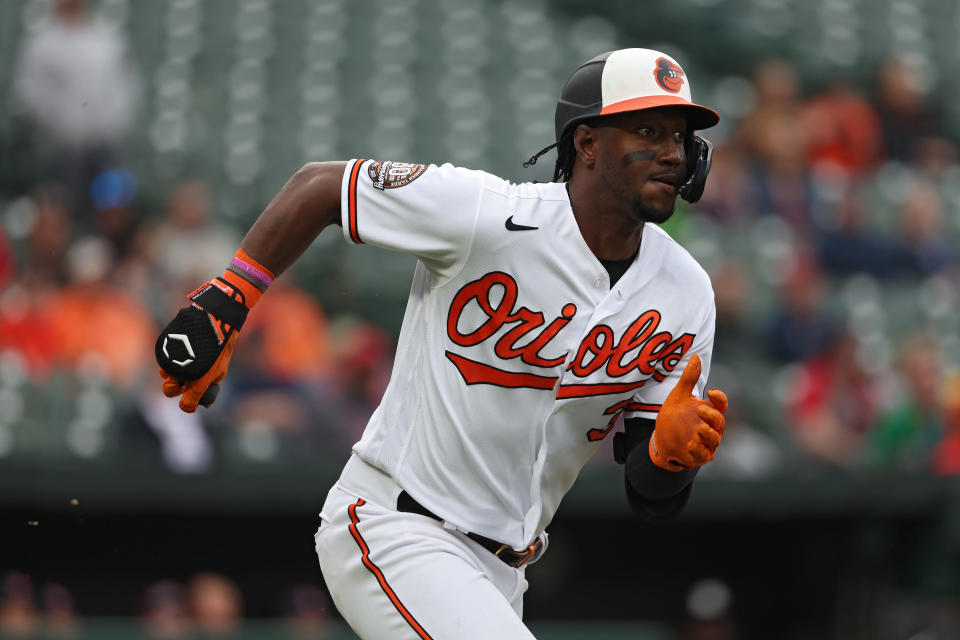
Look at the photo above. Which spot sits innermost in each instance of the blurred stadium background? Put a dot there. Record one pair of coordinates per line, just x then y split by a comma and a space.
830, 227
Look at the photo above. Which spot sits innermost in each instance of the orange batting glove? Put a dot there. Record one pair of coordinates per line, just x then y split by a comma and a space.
688, 429
195, 348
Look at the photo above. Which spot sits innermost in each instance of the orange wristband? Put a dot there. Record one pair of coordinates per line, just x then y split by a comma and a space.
249, 277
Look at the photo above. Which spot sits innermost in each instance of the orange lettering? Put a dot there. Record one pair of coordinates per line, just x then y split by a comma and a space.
598, 342
636, 334
497, 316
675, 351
599, 347
500, 314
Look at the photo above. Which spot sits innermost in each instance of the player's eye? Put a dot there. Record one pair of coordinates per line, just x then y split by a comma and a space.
646, 131
680, 137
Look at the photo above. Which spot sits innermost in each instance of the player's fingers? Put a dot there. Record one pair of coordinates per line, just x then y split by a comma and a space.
171, 388
191, 397
708, 437
718, 399
689, 377
712, 417
699, 454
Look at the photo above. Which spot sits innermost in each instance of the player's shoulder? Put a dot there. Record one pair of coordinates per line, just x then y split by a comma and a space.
546, 191
392, 174
503, 186
676, 260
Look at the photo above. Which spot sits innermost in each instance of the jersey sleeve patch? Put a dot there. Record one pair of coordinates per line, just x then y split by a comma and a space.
393, 175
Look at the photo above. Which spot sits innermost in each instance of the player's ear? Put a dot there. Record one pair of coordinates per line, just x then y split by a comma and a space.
585, 144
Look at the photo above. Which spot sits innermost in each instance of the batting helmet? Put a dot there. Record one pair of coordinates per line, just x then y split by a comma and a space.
632, 80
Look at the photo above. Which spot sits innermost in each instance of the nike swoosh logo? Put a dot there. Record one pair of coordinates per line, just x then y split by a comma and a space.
513, 226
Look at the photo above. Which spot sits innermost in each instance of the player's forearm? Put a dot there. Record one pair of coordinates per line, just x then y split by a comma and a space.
652, 482
655, 494
305, 206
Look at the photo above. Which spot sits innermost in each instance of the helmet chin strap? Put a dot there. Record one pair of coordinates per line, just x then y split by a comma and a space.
533, 159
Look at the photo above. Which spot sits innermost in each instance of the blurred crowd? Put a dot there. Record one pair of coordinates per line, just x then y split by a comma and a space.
844, 200
829, 228
89, 272
206, 605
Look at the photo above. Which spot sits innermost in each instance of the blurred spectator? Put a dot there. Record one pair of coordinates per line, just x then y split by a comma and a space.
113, 193
306, 613
164, 612
92, 318
25, 329
60, 613
215, 604
25, 325
289, 331
906, 116
772, 137
750, 451
309, 418
935, 157
708, 612
278, 381
946, 458
19, 617
735, 335
187, 243
74, 83
833, 401
154, 429
849, 243
842, 130
921, 222
363, 361
909, 431
800, 326
49, 235
776, 108
7, 264
727, 197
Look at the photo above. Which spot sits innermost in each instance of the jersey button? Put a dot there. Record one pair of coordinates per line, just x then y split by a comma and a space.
597, 283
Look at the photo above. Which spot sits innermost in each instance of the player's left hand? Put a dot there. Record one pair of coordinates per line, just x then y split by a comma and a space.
688, 429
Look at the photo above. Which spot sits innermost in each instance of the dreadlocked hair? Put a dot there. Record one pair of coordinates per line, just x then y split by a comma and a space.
566, 154
563, 169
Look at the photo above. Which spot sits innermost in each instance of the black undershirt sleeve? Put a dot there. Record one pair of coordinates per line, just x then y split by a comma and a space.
654, 494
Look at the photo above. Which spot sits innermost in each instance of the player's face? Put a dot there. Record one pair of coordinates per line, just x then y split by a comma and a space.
642, 159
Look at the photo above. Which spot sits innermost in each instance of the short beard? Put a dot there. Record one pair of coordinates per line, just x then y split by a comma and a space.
649, 214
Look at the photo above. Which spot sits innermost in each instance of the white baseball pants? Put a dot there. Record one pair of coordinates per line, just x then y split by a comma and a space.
393, 574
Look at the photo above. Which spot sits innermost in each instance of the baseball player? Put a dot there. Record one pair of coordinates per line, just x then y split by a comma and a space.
539, 314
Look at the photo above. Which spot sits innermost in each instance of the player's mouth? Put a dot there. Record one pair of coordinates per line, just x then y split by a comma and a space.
669, 182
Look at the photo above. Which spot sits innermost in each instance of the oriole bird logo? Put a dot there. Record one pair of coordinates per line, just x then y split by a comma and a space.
669, 75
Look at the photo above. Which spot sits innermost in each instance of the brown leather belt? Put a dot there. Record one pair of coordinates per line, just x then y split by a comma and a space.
505, 552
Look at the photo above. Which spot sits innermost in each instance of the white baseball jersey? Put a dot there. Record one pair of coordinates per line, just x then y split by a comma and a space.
515, 356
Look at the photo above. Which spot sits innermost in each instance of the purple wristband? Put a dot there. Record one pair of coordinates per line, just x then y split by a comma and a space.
256, 276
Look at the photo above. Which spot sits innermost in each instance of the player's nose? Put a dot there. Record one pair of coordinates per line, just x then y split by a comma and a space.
671, 153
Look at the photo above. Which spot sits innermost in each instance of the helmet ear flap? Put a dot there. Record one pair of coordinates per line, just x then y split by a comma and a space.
699, 158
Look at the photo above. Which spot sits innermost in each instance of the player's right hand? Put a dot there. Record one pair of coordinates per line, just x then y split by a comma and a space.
688, 430
194, 349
